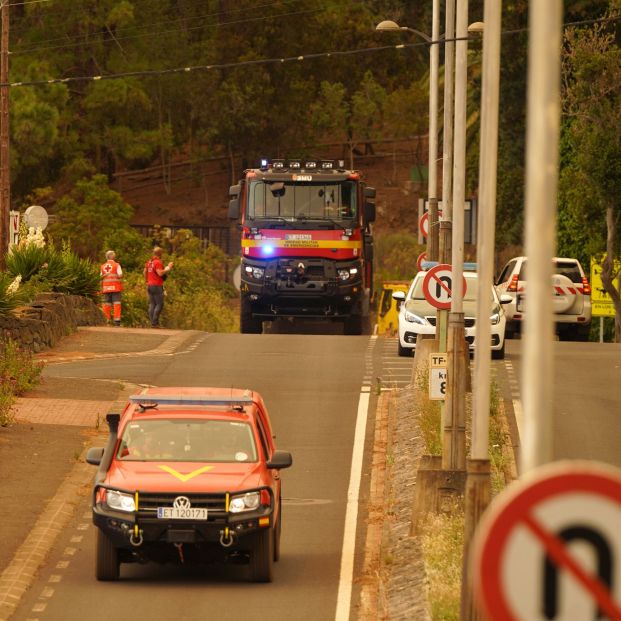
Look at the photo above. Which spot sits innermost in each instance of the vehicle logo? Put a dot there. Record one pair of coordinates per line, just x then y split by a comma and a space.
182, 502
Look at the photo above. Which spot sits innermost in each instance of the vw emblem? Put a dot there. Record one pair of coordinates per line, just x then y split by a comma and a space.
182, 502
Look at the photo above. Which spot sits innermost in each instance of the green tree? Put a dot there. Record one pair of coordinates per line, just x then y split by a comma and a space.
592, 98
89, 215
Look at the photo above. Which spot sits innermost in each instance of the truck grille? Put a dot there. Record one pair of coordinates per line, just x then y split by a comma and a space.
215, 503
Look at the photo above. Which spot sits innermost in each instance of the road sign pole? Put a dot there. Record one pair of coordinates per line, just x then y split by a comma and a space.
543, 122
478, 483
454, 447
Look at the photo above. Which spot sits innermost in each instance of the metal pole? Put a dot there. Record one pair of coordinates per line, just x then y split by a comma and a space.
454, 437
5, 171
478, 484
432, 178
447, 142
543, 120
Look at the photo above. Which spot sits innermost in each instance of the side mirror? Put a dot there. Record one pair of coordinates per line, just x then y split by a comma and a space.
94, 456
369, 192
234, 208
235, 190
505, 299
399, 296
369, 212
280, 459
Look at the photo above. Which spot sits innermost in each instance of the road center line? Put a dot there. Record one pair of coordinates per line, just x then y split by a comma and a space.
343, 600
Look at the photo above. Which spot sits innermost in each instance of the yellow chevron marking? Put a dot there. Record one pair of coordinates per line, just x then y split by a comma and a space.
185, 477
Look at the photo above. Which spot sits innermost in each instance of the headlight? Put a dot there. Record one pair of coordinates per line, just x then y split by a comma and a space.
347, 273
247, 502
495, 318
412, 318
119, 501
255, 272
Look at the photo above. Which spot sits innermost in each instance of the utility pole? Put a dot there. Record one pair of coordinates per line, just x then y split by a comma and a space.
5, 169
454, 436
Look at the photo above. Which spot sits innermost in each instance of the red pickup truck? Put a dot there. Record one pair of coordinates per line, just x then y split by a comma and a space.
189, 475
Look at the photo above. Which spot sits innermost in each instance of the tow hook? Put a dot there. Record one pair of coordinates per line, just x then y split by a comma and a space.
226, 538
135, 537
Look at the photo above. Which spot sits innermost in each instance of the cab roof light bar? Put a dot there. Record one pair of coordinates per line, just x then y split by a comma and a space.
147, 400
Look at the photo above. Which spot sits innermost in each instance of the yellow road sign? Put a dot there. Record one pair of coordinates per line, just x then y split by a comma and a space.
601, 302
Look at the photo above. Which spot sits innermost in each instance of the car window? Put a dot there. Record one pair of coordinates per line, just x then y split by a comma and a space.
187, 440
506, 272
569, 269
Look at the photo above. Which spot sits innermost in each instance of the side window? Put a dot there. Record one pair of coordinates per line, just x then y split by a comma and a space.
504, 275
386, 301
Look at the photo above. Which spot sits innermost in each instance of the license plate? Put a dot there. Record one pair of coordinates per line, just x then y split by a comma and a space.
173, 513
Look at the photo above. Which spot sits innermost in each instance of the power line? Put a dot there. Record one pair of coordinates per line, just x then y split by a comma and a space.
272, 61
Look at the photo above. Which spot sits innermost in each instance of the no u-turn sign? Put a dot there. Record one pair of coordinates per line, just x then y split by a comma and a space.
549, 548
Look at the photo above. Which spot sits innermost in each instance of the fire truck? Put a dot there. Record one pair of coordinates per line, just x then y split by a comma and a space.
306, 243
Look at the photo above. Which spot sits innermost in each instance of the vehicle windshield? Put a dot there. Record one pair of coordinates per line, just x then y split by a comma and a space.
187, 440
298, 201
416, 290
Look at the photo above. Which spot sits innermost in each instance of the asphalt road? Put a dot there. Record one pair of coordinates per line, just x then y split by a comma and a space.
312, 387
587, 377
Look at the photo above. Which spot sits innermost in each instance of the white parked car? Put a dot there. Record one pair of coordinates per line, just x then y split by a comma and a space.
417, 316
571, 301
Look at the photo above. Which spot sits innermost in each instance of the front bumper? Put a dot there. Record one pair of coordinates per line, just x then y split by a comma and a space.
142, 528
316, 292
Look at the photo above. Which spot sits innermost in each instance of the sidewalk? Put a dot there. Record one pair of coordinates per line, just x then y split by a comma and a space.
43, 474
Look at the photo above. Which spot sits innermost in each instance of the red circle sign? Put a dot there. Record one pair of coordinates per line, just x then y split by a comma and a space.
549, 546
438, 286
423, 224
422, 257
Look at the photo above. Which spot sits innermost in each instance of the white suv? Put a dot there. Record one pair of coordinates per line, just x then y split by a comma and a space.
572, 297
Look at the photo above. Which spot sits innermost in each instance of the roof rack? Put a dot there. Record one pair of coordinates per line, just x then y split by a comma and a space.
190, 400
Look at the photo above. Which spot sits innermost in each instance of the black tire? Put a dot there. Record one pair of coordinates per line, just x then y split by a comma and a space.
353, 325
247, 323
107, 566
499, 354
404, 351
262, 556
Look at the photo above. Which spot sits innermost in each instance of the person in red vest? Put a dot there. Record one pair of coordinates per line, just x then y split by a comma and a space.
155, 274
111, 286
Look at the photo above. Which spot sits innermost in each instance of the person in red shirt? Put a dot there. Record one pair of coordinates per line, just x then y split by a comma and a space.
111, 276
154, 274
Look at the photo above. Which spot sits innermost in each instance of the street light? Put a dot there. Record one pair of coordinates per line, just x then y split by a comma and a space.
432, 175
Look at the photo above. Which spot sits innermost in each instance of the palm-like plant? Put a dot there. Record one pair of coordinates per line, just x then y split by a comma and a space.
9, 298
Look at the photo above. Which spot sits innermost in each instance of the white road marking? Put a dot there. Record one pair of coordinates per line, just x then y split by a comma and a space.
343, 599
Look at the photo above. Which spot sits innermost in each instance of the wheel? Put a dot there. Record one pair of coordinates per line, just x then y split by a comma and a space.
277, 531
353, 325
247, 323
499, 354
404, 351
564, 292
262, 556
108, 564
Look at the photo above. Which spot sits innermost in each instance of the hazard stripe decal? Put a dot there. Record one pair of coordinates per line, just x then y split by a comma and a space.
296, 243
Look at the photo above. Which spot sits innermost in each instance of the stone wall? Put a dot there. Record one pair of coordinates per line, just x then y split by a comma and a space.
50, 317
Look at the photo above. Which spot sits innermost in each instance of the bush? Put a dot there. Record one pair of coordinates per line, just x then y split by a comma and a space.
9, 298
18, 373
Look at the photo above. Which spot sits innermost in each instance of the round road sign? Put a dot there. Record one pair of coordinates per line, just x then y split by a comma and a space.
438, 286
422, 257
423, 224
549, 548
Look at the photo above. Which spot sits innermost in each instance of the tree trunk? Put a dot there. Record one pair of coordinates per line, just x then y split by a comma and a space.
608, 275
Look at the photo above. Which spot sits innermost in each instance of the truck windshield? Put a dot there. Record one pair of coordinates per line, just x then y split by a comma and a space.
303, 201
187, 440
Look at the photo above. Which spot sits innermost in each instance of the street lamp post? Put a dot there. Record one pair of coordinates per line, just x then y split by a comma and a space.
432, 176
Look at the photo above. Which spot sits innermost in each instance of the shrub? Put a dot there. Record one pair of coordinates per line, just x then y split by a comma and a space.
82, 276
18, 373
10, 295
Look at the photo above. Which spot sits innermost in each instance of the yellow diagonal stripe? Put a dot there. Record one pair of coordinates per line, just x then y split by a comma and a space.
185, 477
